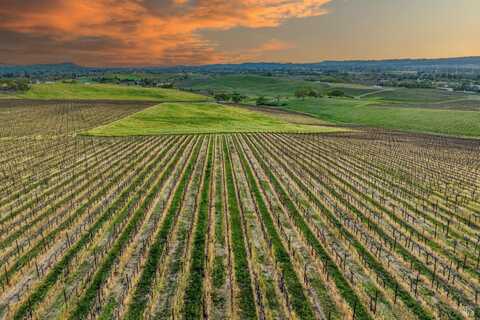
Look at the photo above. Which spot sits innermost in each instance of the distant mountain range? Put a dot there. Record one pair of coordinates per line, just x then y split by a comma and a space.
471, 63
60, 68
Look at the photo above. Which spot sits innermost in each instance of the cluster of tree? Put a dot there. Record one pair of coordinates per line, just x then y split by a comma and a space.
17, 85
229, 97
263, 101
144, 82
304, 92
336, 93
71, 81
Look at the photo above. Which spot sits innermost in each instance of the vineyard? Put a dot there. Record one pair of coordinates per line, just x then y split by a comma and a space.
349, 225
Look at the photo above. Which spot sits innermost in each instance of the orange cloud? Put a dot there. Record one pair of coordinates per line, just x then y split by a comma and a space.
142, 32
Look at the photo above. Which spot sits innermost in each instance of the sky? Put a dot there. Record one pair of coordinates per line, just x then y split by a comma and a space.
194, 32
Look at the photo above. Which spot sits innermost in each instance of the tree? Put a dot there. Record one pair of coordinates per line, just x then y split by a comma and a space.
262, 101
314, 93
166, 85
23, 85
301, 93
237, 97
336, 93
222, 97
14, 85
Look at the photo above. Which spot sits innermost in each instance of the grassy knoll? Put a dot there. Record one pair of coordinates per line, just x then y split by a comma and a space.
366, 112
199, 118
64, 91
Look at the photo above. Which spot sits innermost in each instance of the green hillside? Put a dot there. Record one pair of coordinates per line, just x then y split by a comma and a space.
68, 91
367, 113
200, 118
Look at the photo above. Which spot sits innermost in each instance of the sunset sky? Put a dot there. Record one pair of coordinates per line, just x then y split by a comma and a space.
171, 32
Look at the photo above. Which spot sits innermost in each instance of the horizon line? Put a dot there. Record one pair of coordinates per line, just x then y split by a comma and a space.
240, 63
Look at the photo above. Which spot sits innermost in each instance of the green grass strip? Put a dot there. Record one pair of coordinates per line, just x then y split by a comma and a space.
242, 272
298, 300
219, 232
194, 291
219, 274
109, 309
145, 283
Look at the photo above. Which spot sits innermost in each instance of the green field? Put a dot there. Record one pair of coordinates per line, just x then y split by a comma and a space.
183, 118
416, 110
367, 113
255, 85
67, 91
249, 85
